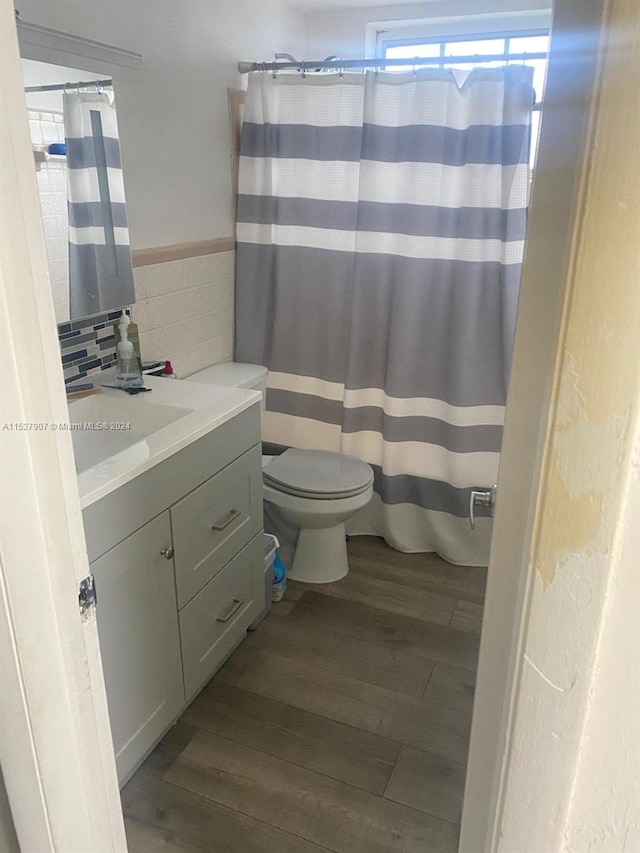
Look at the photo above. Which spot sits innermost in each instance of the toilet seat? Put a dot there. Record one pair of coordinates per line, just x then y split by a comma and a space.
318, 475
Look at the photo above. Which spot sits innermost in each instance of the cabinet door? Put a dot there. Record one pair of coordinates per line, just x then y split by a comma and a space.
139, 641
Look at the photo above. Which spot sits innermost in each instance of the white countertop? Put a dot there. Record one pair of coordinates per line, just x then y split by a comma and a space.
200, 409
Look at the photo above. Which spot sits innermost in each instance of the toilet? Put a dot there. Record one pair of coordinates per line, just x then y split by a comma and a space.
314, 490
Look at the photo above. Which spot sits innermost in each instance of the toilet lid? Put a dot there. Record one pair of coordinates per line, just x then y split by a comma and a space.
318, 473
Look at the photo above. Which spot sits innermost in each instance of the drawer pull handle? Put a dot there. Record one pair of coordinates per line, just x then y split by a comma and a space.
220, 525
167, 552
237, 604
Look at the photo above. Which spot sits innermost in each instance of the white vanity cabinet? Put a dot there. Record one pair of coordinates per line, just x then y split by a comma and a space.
139, 639
177, 557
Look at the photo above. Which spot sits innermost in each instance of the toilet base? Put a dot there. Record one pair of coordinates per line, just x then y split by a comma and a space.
321, 555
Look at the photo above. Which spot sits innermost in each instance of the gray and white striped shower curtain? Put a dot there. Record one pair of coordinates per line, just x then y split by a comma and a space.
381, 226
100, 271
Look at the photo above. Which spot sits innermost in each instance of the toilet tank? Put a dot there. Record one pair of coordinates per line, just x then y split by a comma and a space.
235, 374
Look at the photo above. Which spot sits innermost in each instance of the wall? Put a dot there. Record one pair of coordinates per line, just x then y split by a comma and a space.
569, 729
172, 109
343, 32
175, 142
551, 228
603, 813
184, 311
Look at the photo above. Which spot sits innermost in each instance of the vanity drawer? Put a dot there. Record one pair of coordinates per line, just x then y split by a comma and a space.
217, 619
212, 523
125, 510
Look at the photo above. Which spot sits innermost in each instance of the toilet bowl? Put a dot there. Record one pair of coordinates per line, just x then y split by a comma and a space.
314, 490
317, 491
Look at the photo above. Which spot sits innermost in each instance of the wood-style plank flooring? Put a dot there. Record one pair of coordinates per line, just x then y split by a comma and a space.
341, 724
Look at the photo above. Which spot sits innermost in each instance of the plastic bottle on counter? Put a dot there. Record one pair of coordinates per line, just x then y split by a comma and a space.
128, 373
168, 373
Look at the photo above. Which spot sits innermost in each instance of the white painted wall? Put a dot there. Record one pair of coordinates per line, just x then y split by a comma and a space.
574, 751
540, 311
172, 109
343, 31
603, 813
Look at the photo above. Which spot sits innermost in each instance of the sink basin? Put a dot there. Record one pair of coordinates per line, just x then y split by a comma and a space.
117, 437
108, 424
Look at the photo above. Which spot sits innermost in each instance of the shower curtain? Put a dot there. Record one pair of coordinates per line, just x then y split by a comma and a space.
100, 270
381, 225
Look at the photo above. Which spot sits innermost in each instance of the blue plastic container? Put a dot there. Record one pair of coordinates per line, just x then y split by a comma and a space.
279, 578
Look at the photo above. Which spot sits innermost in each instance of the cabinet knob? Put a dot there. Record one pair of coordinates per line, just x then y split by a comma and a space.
167, 553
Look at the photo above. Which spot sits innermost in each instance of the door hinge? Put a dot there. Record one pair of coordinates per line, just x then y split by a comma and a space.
87, 597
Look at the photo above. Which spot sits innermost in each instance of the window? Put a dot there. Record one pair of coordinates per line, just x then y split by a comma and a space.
452, 53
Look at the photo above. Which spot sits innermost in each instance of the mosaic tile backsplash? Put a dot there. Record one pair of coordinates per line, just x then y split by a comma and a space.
87, 346
184, 312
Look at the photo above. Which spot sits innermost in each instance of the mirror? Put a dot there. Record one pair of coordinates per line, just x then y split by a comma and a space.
74, 133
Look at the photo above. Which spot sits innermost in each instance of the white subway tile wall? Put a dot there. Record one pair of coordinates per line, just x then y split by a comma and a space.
184, 311
47, 127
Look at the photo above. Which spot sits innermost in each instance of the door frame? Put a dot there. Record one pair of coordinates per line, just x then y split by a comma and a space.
55, 741
582, 44
53, 718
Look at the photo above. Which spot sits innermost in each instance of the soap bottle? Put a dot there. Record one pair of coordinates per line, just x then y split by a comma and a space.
127, 369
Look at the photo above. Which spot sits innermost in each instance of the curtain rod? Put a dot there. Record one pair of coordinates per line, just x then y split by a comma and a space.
415, 62
58, 87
